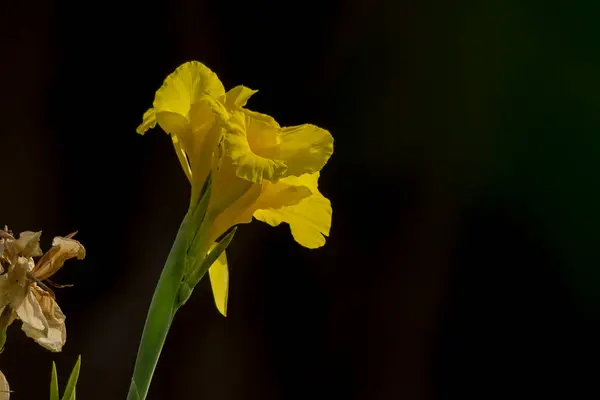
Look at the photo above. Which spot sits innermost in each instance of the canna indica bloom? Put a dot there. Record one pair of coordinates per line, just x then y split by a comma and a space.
258, 168
24, 295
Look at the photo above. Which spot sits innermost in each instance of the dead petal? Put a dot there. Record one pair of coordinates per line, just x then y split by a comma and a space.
53, 335
4, 388
6, 314
63, 248
30, 312
4, 287
14, 284
28, 244
6, 235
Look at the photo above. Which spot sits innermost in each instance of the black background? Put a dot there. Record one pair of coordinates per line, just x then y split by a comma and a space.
462, 261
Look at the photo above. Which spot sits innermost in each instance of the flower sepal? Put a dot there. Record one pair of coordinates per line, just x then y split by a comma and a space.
200, 267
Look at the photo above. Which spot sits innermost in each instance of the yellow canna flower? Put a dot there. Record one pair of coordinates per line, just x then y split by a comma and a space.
23, 295
185, 107
258, 168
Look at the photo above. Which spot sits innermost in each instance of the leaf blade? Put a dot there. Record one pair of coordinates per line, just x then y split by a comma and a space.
54, 383
198, 272
69, 393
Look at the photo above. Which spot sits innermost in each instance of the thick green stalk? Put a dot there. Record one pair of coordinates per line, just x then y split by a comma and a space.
165, 300
160, 316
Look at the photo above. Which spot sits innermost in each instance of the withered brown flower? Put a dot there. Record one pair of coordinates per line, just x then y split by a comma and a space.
23, 293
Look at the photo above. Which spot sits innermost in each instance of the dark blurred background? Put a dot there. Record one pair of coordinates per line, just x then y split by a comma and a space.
462, 262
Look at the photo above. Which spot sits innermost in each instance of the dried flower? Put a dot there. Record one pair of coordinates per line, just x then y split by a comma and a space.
24, 295
4, 388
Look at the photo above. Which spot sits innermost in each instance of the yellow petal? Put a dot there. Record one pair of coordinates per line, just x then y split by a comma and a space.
247, 144
309, 219
238, 96
261, 150
182, 157
172, 123
201, 156
281, 194
219, 280
62, 250
310, 181
304, 148
190, 84
287, 192
185, 86
238, 211
148, 122
4, 388
202, 115
200, 141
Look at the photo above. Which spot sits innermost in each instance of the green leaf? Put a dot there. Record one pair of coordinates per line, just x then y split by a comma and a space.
54, 384
134, 394
219, 249
69, 393
200, 270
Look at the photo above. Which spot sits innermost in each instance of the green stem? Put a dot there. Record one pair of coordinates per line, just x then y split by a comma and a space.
160, 314
196, 254
165, 301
